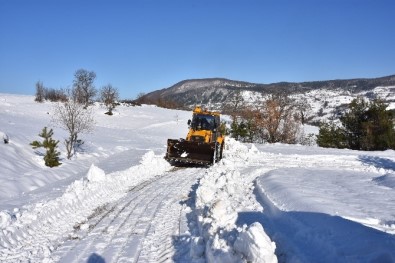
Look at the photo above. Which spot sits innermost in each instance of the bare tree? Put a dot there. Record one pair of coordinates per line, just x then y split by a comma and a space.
55, 95
83, 88
109, 96
277, 119
235, 104
40, 92
303, 109
72, 117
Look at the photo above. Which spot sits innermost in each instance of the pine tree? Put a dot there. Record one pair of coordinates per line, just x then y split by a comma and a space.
365, 126
353, 121
51, 157
238, 130
331, 136
379, 128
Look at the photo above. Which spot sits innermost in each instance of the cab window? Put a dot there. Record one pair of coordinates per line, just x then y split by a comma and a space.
203, 122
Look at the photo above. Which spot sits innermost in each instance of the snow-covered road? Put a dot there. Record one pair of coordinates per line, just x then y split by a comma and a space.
142, 226
120, 201
137, 215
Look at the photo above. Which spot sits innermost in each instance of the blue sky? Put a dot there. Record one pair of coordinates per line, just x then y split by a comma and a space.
145, 45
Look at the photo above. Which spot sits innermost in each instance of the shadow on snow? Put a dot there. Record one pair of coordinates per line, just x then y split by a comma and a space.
95, 258
318, 237
182, 242
377, 162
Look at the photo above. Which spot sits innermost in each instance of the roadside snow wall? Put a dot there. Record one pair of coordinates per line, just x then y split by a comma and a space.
222, 193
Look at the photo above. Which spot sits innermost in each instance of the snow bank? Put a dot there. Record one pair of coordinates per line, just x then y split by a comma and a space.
95, 174
221, 194
255, 245
5, 219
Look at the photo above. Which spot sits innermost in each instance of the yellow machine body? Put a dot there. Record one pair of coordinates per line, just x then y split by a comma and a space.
203, 144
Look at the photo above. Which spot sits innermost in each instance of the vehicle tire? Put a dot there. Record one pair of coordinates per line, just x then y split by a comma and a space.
215, 153
222, 150
218, 152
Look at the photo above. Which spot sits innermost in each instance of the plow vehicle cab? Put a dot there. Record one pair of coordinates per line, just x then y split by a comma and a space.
204, 142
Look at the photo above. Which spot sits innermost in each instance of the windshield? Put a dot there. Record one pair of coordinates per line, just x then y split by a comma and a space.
203, 122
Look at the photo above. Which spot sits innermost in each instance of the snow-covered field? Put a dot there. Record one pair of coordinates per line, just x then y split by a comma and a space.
118, 200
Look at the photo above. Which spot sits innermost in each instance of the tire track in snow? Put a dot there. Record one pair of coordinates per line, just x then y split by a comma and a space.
158, 242
89, 239
166, 228
139, 227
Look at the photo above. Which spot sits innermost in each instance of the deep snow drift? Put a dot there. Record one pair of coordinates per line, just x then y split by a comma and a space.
117, 200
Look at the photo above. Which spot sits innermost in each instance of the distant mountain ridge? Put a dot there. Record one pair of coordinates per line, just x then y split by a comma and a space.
216, 91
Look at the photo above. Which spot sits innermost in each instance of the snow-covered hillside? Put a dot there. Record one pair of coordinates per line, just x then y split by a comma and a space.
324, 104
321, 100
118, 200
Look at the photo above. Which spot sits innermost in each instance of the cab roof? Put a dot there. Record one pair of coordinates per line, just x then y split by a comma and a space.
198, 110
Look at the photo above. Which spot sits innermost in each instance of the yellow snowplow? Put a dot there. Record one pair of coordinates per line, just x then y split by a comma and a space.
204, 143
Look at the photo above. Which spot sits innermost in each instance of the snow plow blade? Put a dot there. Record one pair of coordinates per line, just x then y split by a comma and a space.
187, 152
